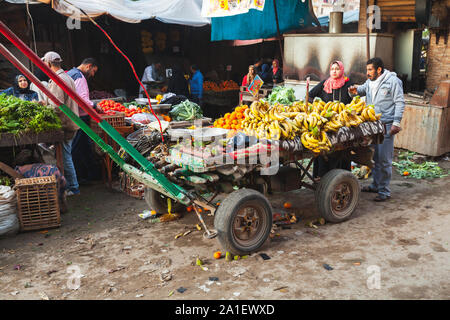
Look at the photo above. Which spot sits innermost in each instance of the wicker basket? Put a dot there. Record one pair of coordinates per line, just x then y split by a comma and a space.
37, 202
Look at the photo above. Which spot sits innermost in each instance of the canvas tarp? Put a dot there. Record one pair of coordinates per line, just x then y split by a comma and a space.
185, 12
292, 15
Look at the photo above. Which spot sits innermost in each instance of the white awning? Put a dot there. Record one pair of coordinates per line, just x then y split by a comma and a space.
184, 12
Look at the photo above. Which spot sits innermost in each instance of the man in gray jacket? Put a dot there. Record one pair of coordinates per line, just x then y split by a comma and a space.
384, 90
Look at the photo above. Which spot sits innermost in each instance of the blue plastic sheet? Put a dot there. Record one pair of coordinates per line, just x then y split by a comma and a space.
292, 15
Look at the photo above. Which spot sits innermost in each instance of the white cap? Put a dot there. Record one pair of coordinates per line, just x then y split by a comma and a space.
51, 56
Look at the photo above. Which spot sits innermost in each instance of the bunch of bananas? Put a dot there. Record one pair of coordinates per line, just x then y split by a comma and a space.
269, 122
311, 121
316, 140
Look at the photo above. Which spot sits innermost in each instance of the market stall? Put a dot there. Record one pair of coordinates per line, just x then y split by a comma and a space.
220, 97
24, 123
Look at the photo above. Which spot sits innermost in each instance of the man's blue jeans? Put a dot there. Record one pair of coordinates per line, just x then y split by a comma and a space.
69, 169
383, 156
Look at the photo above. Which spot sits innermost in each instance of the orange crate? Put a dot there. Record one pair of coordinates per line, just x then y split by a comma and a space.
38, 203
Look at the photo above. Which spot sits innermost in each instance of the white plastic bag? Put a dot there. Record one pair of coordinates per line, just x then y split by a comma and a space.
9, 225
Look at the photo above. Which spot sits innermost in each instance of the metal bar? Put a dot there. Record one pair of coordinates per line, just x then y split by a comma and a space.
278, 30
305, 171
148, 167
367, 33
8, 55
41, 65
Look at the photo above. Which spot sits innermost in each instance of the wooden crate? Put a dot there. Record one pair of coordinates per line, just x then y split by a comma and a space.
37, 202
425, 129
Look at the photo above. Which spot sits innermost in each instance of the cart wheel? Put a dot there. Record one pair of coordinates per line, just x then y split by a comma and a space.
158, 202
337, 195
243, 221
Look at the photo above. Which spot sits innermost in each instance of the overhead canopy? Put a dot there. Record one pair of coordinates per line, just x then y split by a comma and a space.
292, 15
185, 12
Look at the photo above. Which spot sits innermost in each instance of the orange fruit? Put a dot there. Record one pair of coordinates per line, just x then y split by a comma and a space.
287, 205
406, 173
217, 255
189, 209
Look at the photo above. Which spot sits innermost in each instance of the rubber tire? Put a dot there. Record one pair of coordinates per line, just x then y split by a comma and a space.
226, 213
325, 189
158, 202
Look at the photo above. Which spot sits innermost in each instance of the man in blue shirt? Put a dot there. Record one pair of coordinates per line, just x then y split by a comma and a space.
196, 84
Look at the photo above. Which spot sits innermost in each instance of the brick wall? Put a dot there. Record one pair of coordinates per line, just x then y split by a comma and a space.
438, 62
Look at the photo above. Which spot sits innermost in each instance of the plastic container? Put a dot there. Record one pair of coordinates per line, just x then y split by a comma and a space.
147, 214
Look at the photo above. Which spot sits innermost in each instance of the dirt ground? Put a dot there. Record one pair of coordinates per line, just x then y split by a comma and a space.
103, 250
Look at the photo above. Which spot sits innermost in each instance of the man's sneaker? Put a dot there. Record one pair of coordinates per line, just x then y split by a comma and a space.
73, 193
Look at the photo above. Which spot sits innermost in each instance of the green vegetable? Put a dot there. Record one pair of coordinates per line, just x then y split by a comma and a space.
186, 110
282, 95
425, 170
17, 115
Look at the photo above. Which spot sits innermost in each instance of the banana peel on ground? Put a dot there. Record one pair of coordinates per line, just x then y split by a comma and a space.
312, 223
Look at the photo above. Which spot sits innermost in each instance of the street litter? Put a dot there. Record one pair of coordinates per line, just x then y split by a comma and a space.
312, 223
139, 295
116, 269
362, 173
147, 214
213, 279
280, 288
181, 289
204, 288
236, 294
43, 296
284, 218
328, 267
264, 256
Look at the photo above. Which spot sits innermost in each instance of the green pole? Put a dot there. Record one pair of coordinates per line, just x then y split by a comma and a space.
176, 191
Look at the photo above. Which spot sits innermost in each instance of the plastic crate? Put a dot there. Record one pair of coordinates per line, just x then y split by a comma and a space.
38, 203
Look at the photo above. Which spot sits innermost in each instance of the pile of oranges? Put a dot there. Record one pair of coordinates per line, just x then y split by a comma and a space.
223, 86
232, 120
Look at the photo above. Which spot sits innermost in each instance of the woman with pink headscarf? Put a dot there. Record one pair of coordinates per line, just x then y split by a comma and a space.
335, 88
277, 73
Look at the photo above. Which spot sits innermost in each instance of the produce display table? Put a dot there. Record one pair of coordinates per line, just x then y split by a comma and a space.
54, 137
217, 103
246, 97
